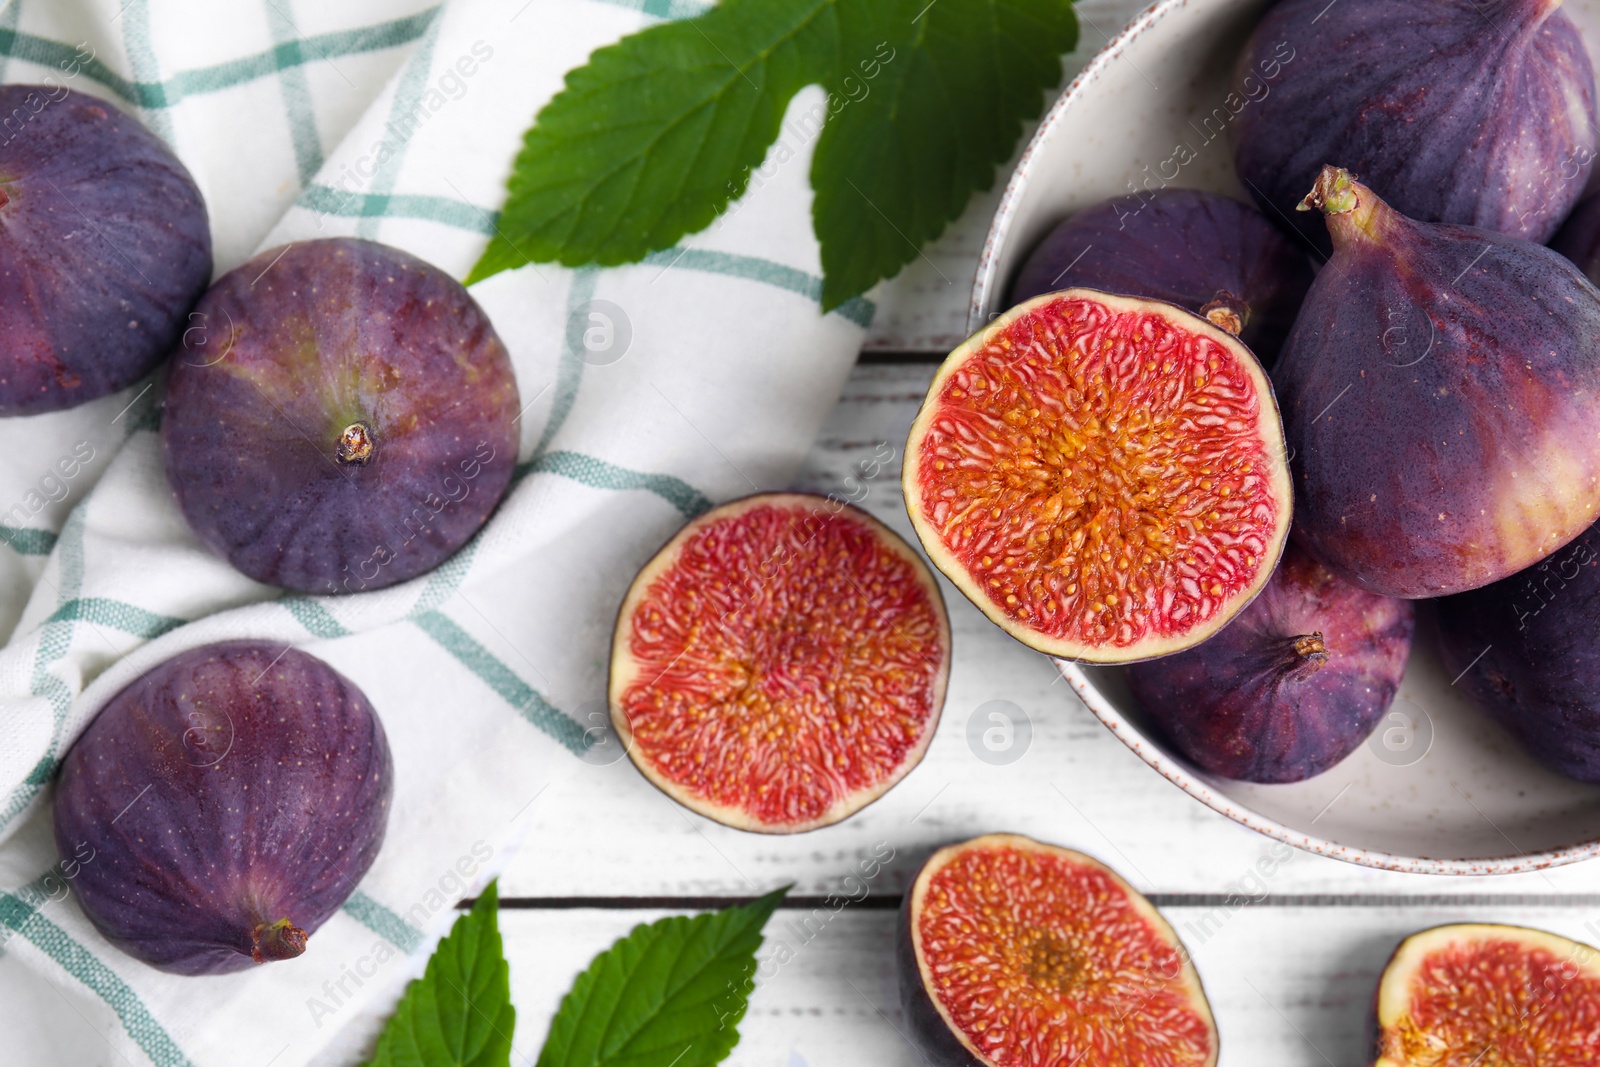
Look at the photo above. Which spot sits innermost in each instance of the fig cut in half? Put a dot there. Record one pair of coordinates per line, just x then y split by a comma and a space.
780, 663
1103, 476
1482, 994
1014, 953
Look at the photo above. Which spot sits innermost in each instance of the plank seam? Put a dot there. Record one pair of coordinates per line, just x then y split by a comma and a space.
882, 902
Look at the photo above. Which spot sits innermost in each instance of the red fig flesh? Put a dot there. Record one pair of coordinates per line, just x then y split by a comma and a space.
1102, 476
1475, 995
1014, 953
780, 663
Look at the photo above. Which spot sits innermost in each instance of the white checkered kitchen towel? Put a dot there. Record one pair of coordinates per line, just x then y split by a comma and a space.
398, 122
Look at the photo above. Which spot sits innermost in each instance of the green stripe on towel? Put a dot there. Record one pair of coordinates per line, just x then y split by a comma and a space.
156, 94
598, 474
118, 615
27, 542
383, 922
25, 919
519, 694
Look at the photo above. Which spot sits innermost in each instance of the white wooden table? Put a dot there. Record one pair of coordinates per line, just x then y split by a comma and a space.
1289, 961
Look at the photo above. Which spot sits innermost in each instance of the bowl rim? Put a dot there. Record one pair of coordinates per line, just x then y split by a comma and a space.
986, 288
986, 283
1180, 775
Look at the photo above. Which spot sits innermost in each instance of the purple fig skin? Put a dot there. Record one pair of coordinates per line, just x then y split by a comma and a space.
1579, 238
218, 810
342, 419
1289, 688
1527, 650
1479, 112
1441, 401
1184, 246
104, 248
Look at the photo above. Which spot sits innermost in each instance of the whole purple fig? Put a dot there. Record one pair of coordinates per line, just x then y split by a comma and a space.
104, 248
1579, 238
218, 810
1441, 398
1480, 112
341, 417
1290, 687
1527, 651
1202, 251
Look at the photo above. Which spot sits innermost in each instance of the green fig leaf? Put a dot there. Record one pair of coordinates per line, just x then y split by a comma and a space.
670, 994
658, 133
946, 110
459, 1013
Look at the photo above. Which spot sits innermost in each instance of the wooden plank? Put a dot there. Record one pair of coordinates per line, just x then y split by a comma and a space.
604, 831
1290, 986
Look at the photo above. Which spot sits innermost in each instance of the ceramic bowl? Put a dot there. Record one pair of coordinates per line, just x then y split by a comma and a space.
1438, 788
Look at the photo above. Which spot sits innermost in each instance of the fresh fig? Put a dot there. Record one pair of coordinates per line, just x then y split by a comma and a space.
1103, 476
1290, 687
341, 417
1202, 251
1482, 994
104, 248
1476, 112
1579, 238
1526, 650
1017, 954
1440, 392
780, 663
218, 810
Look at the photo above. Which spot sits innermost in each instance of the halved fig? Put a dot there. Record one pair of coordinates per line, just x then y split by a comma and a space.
1014, 953
1103, 476
780, 663
1482, 994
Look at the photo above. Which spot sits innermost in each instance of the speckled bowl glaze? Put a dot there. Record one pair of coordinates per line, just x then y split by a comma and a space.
1438, 789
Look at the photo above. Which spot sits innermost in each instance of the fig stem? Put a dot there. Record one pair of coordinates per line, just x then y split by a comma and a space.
1351, 210
1310, 644
1333, 194
1310, 652
282, 940
356, 445
1227, 311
